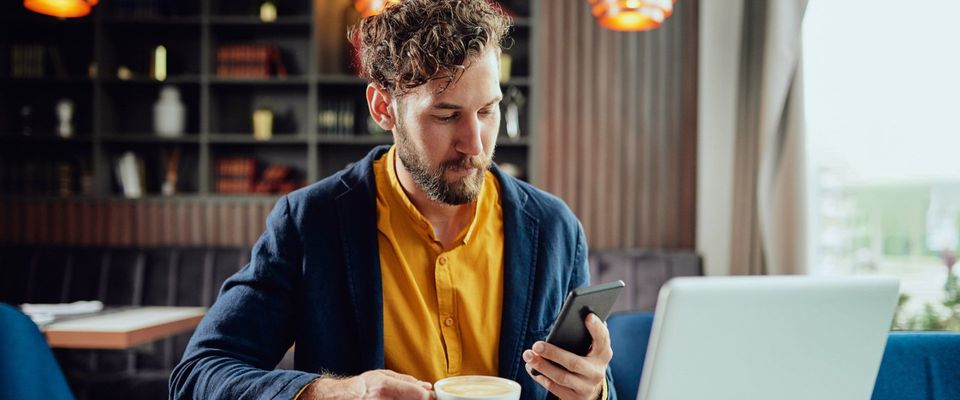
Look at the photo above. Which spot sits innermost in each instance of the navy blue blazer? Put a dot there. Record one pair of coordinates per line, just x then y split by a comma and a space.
314, 279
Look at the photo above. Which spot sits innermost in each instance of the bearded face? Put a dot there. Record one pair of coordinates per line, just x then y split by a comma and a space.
454, 181
445, 135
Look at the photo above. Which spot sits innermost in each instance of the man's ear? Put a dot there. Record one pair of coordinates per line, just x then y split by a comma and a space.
378, 100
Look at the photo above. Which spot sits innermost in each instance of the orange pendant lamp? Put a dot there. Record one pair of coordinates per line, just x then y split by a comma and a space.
61, 8
367, 8
631, 15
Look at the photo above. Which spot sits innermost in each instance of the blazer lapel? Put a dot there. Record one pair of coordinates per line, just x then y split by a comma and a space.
519, 262
357, 214
356, 210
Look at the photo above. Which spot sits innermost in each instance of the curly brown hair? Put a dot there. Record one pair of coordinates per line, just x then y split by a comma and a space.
415, 41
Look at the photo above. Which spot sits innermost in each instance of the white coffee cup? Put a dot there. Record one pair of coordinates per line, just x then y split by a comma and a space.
476, 387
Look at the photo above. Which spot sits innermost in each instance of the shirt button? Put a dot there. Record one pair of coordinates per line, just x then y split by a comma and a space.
448, 321
442, 260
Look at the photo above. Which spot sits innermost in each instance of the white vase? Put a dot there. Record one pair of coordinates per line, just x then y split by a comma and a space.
169, 114
65, 115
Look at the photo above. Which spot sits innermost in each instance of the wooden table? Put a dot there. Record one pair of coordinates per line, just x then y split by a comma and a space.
123, 329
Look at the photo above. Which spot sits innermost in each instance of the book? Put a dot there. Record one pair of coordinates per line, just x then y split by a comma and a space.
65, 179
236, 175
337, 117
253, 60
272, 179
27, 61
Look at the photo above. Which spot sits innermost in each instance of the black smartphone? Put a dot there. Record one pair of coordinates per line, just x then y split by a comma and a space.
568, 331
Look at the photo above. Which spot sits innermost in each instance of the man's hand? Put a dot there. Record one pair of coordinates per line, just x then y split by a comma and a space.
584, 376
378, 384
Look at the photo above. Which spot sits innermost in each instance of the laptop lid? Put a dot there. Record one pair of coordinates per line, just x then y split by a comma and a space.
761, 338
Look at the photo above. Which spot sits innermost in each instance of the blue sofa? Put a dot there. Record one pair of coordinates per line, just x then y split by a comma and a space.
920, 365
27, 367
915, 366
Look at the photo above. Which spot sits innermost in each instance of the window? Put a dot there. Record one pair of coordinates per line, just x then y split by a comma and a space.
882, 99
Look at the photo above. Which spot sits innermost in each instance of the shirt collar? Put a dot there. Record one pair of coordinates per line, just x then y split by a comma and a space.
400, 196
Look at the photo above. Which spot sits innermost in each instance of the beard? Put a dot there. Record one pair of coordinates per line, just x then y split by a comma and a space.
433, 181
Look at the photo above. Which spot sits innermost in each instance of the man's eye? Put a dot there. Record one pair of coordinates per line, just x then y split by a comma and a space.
445, 118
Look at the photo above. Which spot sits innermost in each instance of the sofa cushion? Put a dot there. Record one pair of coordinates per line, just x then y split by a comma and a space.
921, 366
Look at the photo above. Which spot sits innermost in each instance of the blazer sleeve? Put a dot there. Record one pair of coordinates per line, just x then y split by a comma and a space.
246, 332
581, 278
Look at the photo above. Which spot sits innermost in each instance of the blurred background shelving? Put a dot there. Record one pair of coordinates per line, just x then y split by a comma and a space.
102, 65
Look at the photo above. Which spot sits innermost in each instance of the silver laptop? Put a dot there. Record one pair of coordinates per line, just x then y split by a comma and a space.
768, 338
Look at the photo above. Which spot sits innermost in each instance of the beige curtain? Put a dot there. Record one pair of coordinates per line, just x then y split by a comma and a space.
616, 124
769, 226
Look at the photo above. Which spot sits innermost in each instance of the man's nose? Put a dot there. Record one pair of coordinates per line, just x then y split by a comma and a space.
469, 142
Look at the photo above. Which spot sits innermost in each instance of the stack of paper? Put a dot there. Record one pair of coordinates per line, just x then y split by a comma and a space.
43, 314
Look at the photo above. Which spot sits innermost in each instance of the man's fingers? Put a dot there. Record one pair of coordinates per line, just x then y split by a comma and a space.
553, 387
579, 376
558, 375
601, 337
406, 378
397, 389
568, 360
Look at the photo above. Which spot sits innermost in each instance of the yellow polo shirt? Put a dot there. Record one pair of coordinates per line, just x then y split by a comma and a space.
441, 308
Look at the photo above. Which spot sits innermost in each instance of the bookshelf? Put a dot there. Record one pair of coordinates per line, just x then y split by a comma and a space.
319, 114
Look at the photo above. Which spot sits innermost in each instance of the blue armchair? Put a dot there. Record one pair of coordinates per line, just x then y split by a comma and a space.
921, 366
629, 334
915, 366
27, 367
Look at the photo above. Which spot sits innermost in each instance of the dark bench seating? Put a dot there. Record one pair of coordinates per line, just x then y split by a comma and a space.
118, 277
192, 277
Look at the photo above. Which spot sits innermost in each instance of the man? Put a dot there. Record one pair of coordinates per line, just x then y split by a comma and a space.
421, 261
